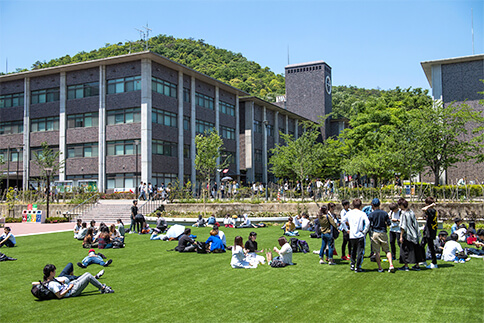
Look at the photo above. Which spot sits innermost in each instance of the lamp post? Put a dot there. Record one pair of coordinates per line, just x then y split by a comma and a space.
266, 123
48, 171
136, 143
18, 157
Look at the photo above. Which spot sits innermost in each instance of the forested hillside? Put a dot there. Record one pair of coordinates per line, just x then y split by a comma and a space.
224, 65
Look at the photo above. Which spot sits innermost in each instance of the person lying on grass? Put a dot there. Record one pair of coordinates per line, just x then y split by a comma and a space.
63, 286
93, 258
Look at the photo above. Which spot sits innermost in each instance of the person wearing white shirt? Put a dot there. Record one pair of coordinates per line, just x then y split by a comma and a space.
452, 249
358, 224
344, 229
394, 228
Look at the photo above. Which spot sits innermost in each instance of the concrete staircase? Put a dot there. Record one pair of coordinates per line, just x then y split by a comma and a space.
108, 211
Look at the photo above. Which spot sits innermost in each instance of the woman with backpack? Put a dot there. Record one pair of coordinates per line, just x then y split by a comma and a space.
64, 287
326, 222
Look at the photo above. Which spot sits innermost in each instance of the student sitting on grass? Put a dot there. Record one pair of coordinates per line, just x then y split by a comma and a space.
88, 241
285, 254
251, 249
439, 244
93, 258
239, 259
77, 228
453, 250
200, 222
63, 287
185, 242
82, 232
246, 223
7, 238
216, 244
290, 228
479, 243
104, 239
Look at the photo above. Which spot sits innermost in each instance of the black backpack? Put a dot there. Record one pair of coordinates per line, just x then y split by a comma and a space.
294, 244
201, 247
42, 292
303, 246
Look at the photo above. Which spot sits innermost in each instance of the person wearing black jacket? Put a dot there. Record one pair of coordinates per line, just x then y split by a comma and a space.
185, 243
430, 230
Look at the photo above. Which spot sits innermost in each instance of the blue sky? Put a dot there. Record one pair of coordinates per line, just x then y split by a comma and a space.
368, 44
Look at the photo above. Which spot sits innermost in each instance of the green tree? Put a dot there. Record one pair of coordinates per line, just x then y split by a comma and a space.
299, 158
442, 136
46, 159
209, 147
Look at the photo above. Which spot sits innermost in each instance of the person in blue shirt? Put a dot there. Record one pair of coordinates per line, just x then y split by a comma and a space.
455, 226
216, 244
7, 238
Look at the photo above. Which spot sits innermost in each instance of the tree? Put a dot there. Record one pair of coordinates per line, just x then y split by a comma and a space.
442, 136
47, 158
209, 146
300, 158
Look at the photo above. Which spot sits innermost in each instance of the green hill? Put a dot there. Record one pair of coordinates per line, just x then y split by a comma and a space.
224, 65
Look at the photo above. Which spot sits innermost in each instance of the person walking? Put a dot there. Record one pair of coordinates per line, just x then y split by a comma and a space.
357, 222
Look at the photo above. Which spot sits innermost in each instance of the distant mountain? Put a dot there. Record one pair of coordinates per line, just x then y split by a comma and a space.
224, 65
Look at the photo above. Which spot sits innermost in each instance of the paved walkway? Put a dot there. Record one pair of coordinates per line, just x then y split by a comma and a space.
28, 229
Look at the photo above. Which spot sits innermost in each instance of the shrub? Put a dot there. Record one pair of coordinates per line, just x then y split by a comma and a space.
13, 220
56, 219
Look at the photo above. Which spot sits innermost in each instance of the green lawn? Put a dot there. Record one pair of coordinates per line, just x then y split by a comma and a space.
152, 284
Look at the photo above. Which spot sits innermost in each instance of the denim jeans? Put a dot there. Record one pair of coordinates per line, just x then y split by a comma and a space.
357, 251
326, 240
81, 283
68, 272
93, 260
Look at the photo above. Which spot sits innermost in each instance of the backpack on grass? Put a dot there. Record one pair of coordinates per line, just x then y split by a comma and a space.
42, 292
303, 246
294, 244
201, 247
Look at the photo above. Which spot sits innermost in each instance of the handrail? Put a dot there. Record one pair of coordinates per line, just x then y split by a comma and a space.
84, 206
149, 206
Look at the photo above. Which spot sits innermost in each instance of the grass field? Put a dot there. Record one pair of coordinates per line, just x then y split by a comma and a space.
153, 284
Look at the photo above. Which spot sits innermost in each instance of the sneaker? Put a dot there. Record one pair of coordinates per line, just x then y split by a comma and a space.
81, 265
322, 262
107, 290
99, 274
359, 270
344, 258
404, 268
431, 266
468, 259
416, 268
352, 267
391, 269
462, 261
348, 256
456, 261
423, 263
331, 262
110, 261
380, 270
131, 232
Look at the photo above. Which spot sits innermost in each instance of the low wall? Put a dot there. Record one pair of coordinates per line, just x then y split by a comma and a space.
54, 209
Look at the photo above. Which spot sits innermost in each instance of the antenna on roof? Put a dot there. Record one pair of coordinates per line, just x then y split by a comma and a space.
472, 29
144, 35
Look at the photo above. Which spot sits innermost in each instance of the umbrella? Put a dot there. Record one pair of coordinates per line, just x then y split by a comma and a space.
227, 178
175, 231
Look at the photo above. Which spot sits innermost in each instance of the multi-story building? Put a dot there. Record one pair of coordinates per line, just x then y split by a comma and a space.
130, 118
456, 81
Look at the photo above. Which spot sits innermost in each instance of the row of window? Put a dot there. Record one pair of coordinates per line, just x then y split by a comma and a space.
7, 128
304, 69
163, 87
164, 117
125, 84
14, 155
43, 96
164, 148
89, 149
227, 133
12, 100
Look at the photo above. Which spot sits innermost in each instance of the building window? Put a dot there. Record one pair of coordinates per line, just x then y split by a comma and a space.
121, 181
82, 90
121, 147
270, 130
164, 117
83, 120
7, 128
126, 84
164, 148
14, 155
162, 178
186, 151
12, 100
131, 115
204, 101
89, 149
39, 150
163, 87
47, 95
204, 126
186, 123
186, 95
227, 108
258, 155
227, 133
257, 126
282, 130
44, 124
